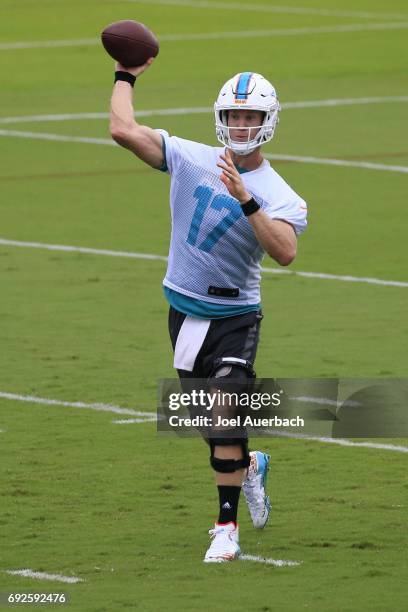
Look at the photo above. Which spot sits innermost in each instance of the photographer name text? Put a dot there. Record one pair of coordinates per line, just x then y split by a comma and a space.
238, 421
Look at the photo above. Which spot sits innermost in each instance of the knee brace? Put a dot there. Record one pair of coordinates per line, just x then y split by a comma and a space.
232, 373
228, 466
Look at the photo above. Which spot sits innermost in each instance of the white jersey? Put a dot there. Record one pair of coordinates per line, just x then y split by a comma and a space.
214, 254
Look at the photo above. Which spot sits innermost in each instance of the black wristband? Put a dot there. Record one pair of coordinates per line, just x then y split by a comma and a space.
249, 208
121, 75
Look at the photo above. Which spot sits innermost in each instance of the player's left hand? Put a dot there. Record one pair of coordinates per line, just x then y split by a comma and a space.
232, 178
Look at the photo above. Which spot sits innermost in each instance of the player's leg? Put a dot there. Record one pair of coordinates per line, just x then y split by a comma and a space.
229, 459
224, 544
229, 454
238, 336
241, 342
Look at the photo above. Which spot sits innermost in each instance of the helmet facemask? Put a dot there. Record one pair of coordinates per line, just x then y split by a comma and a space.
263, 132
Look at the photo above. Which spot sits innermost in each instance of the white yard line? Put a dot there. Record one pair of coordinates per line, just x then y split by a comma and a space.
29, 573
324, 401
277, 157
57, 137
275, 562
240, 34
131, 255
49, 44
339, 441
93, 406
132, 421
337, 162
266, 8
337, 277
283, 32
150, 416
76, 249
343, 102
140, 113
198, 110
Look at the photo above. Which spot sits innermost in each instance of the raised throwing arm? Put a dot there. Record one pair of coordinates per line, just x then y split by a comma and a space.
144, 142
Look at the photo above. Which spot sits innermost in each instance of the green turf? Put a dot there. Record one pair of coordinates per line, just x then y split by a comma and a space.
117, 505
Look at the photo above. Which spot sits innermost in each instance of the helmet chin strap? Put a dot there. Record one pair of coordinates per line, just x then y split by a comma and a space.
241, 153
249, 147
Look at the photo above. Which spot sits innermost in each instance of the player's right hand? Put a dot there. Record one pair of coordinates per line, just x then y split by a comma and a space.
137, 70
232, 179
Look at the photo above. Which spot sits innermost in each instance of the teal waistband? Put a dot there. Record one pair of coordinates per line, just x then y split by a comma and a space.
204, 310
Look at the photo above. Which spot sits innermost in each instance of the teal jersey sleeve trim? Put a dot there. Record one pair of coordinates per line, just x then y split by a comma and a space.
204, 310
164, 167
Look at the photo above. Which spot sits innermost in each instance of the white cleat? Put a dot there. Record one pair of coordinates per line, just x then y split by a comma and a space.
254, 489
225, 544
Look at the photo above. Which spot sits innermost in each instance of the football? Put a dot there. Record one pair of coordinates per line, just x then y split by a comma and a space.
129, 42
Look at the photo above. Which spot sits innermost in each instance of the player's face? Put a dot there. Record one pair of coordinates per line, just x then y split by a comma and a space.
244, 122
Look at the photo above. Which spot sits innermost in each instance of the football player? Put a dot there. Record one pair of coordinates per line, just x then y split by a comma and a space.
228, 207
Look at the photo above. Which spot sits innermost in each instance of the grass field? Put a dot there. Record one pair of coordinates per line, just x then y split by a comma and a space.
118, 506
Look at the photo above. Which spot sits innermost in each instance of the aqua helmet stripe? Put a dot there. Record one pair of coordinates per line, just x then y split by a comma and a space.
243, 86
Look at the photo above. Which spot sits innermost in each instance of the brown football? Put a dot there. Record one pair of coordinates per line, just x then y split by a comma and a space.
129, 42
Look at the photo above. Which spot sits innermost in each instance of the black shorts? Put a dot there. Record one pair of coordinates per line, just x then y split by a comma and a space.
230, 337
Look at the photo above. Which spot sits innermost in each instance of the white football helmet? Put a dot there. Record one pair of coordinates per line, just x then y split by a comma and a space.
249, 91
